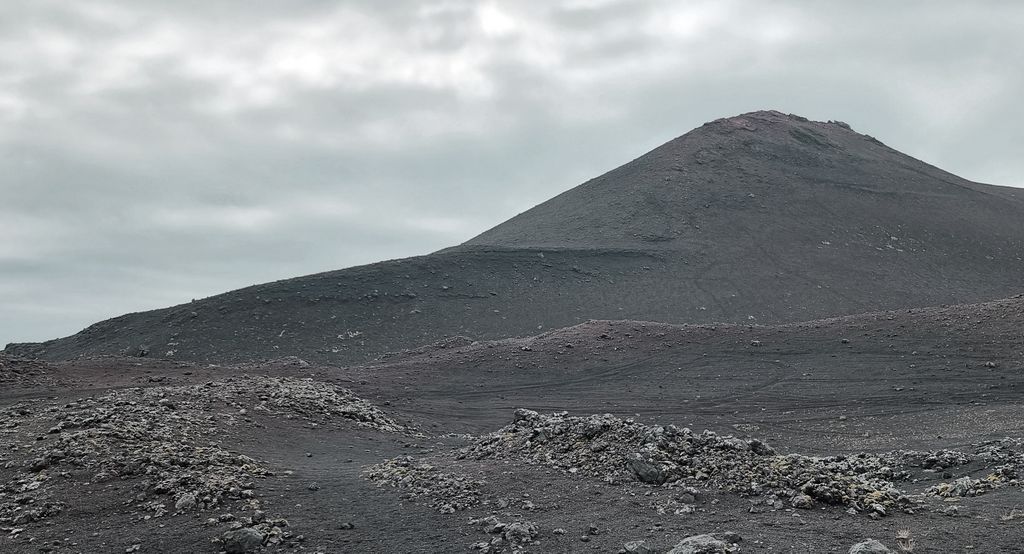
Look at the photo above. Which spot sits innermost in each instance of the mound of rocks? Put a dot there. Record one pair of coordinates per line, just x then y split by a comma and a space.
170, 437
446, 492
515, 534
965, 486
1008, 452
293, 397
1005, 460
614, 449
251, 534
934, 460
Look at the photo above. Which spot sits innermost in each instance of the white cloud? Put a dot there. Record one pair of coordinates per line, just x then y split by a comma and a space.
494, 21
228, 218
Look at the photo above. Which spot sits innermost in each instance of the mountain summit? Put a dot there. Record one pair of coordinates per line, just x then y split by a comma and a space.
759, 218
773, 178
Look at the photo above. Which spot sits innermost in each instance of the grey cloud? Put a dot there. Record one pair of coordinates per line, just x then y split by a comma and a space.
152, 152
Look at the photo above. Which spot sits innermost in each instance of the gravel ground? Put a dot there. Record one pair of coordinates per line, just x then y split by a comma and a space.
424, 452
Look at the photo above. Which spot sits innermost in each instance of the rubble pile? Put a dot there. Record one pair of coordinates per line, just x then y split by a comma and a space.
516, 534
305, 398
1007, 452
964, 486
248, 534
935, 460
1005, 460
446, 492
617, 451
170, 437
614, 449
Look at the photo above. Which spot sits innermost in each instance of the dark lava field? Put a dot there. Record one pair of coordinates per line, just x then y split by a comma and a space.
767, 335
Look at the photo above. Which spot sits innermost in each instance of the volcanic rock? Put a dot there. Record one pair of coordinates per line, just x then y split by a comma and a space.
658, 455
700, 544
242, 541
638, 547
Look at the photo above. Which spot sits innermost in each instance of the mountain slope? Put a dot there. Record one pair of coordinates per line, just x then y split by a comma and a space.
761, 218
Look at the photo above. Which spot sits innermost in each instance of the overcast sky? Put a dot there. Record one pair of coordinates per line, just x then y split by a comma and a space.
153, 152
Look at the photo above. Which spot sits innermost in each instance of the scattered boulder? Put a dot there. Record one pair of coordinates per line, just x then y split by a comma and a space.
647, 472
637, 547
241, 541
185, 502
700, 544
521, 532
518, 533
802, 502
